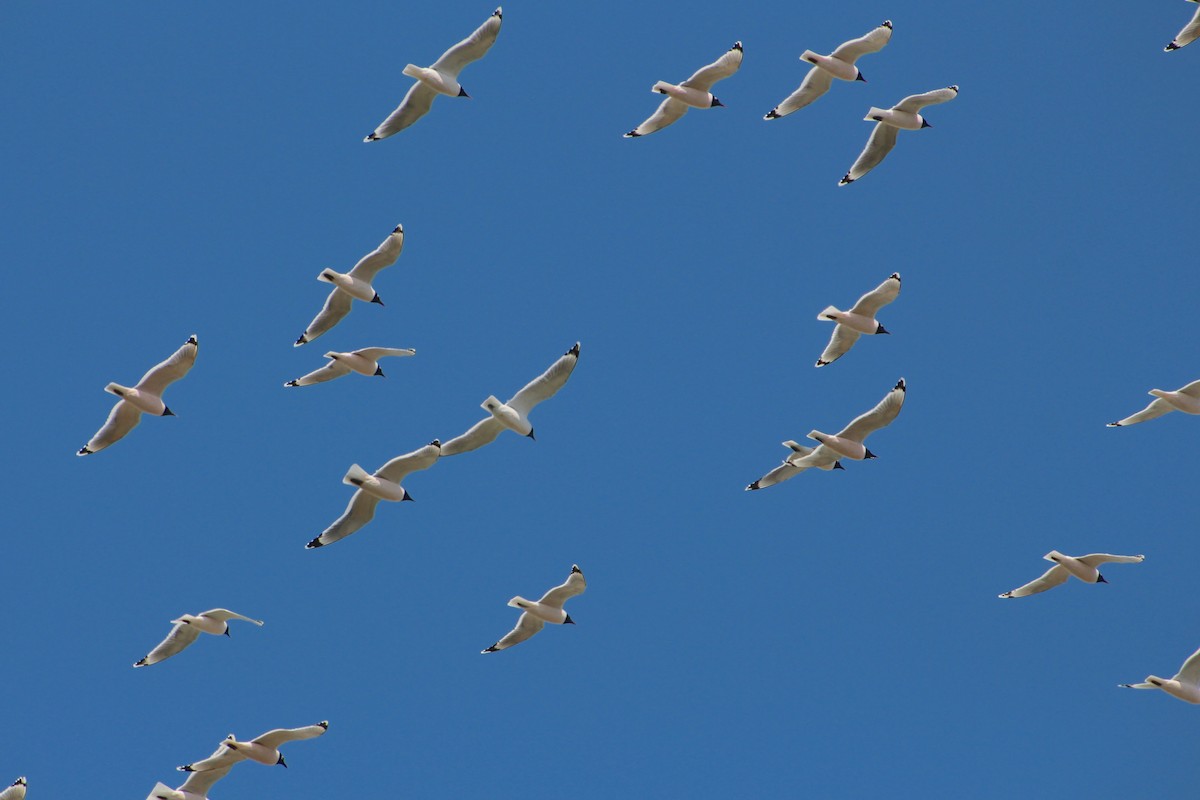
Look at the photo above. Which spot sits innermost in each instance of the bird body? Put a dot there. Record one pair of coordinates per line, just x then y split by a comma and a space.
375, 486
800, 459
905, 120
846, 448
187, 630
844, 70
858, 320
440, 82
548, 609
905, 115
1186, 400
1085, 568
353, 285
143, 401
862, 323
695, 92
1185, 684
696, 98
263, 749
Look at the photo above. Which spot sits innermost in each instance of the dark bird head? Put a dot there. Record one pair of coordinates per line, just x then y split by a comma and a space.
530, 435
882, 329
167, 412
376, 299
838, 465
568, 620
463, 93
408, 496
716, 103
281, 762
227, 631
870, 454
1100, 578
859, 77
925, 123
379, 371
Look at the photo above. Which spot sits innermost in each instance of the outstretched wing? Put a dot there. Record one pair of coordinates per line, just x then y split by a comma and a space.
400, 466
546, 385
16, 790
483, 432
1096, 559
870, 303
1189, 34
473, 48
1156, 409
527, 626
179, 639
163, 375
1053, 577
383, 256
337, 306
123, 418
840, 342
872, 42
1190, 671
225, 614
358, 513
878, 417
334, 369
575, 584
815, 84
668, 111
914, 103
376, 353
882, 140
704, 78
416, 104
273, 739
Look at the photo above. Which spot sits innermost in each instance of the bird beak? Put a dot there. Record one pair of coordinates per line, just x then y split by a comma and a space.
531, 436
463, 93
838, 465
1100, 579
925, 123
167, 412
861, 78
227, 632
376, 299
379, 372
408, 496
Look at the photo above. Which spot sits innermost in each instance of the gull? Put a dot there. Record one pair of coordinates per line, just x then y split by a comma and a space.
364, 362
1185, 684
145, 397
1189, 34
514, 414
548, 609
1083, 567
198, 784
696, 92
263, 749
802, 458
888, 123
1186, 400
15, 790
355, 284
848, 442
383, 485
839, 64
188, 629
440, 78
859, 319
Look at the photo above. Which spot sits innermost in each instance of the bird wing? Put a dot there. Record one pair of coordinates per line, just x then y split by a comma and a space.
273, 739
668, 111
163, 375
871, 42
200, 782
575, 584
421, 458
123, 418
1193, 388
840, 342
1053, 577
358, 513
882, 140
416, 104
1096, 559
337, 306
383, 256
704, 78
472, 48
1156, 409
376, 353
547, 384
870, 303
334, 369
783, 472
1189, 34
1190, 671
16, 790
179, 639
483, 432
225, 615
914, 103
222, 759
802, 458
878, 417
527, 625
815, 84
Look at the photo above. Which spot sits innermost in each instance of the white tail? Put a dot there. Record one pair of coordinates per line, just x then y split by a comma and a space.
326, 275
519, 602
810, 57
1053, 555
797, 447
115, 388
827, 312
874, 112
491, 404
356, 476
412, 71
660, 87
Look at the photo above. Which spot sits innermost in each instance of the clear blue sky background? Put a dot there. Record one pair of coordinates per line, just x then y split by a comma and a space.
178, 168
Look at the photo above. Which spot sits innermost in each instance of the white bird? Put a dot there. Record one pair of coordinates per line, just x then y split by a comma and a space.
145, 397
188, 629
15, 790
858, 320
364, 362
263, 749
355, 284
801, 458
383, 485
440, 78
198, 784
1186, 400
1084, 567
848, 442
514, 414
839, 64
1189, 34
548, 609
696, 92
1185, 684
888, 123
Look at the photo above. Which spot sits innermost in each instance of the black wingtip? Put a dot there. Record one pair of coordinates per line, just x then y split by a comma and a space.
574, 351
83, 451
499, 12
753, 487
314, 544
435, 443
901, 385
192, 340
737, 46
575, 568
633, 134
491, 649
846, 180
531, 436
821, 363
772, 114
371, 137
302, 340
887, 23
1170, 47
140, 662
295, 382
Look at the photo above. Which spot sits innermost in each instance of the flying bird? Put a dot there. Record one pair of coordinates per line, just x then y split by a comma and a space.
514, 414
364, 362
1084, 567
15, 790
848, 442
198, 784
264, 749
145, 397
1186, 400
888, 123
439, 78
858, 320
695, 92
1185, 684
839, 64
353, 285
384, 484
801, 458
1189, 34
548, 609
188, 629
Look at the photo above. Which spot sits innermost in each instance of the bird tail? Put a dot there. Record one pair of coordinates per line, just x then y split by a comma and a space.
113, 388
873, 113
809, 56
412, 71
660, 87
356, 476
1052, 555
326, 276
491, 403
827, 312
519, 602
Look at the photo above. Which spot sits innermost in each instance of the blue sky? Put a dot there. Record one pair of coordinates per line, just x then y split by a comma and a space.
190, 168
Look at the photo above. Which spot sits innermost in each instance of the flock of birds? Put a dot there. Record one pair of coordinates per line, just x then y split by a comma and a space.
386, 483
